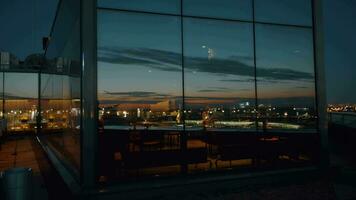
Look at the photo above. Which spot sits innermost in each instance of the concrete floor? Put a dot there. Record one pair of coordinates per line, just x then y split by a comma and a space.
20, 152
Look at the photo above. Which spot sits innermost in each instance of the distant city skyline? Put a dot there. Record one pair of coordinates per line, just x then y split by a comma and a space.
338, 52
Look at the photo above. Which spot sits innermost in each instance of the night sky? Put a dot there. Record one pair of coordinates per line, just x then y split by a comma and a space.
141, 54
24, 22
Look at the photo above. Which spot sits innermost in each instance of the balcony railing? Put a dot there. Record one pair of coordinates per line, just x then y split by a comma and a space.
347, 119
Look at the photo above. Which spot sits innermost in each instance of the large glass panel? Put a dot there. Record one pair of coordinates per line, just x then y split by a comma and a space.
285, 74
286, 96
219, 74
219, 85
140, 94
60, 103
21, 91
159, 6
61, 87
145, 127
226, 9
295, 12
1, 97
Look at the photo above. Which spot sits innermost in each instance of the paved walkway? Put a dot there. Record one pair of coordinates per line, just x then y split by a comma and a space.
19, 152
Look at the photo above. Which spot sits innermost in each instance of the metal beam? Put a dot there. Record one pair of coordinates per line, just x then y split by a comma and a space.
89, 94
320, 80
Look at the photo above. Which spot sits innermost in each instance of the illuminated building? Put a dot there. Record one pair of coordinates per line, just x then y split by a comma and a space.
140, 91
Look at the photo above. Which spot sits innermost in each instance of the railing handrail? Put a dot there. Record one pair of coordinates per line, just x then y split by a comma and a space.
343, 113
347, 119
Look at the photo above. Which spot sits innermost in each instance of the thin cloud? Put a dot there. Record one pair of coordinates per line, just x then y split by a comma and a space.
171, 61
137, 94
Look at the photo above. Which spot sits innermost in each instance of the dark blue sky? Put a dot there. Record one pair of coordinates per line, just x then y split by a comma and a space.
340, 29
24, 22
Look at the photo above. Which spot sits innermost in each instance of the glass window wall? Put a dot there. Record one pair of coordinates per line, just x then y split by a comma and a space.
2, 97
184, 86
139, 92
223, 9
157, 6
21, 94
219, 88
291, 12
205, 89
61, 87
285, 75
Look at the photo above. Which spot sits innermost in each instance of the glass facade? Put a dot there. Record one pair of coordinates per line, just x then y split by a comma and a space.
2, 100
199, 89
218, 68
139, 86
183, 87
227, 9
60, 87
157, 6
293, 12
19, 93
41, 95
285, 77
21, 103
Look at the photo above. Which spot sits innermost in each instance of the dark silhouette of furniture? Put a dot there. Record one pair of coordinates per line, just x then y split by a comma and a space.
234, 146
144, 159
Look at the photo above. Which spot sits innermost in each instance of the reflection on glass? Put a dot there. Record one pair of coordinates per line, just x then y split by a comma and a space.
295, 12
61, 86
1, 95
159, 6
144, 130
226, 9
139, 76
219, 74
60, 103
139, 91
219, 91
20, 93
285, 74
